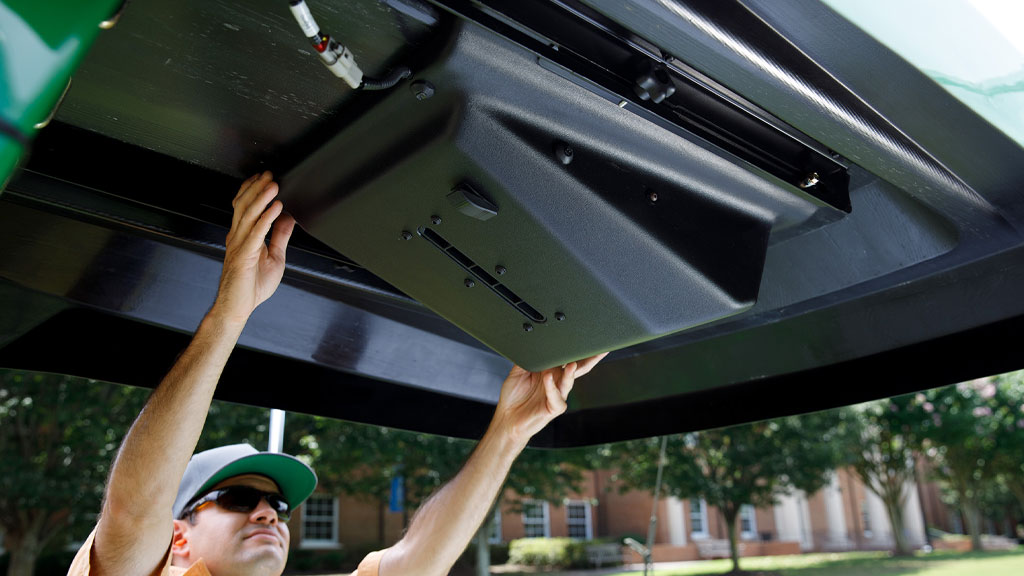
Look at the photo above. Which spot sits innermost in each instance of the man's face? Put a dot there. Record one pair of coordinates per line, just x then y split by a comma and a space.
235, 543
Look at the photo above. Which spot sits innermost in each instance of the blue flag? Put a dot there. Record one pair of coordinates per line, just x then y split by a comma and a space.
397, 503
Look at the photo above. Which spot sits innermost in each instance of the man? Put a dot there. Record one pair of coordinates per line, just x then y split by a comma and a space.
226, 516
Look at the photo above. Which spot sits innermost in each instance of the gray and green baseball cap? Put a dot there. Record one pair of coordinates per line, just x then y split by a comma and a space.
295, 479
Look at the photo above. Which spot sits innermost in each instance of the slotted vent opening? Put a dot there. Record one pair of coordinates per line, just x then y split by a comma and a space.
478, 272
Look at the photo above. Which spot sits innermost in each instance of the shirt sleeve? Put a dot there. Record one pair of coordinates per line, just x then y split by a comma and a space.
370, 566
80, 566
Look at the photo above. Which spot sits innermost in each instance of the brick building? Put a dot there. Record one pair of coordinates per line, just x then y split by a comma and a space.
841, 516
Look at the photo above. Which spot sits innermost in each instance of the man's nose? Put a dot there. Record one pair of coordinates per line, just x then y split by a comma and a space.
264, 513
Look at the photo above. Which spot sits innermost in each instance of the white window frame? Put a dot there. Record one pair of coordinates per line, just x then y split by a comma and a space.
705, 533
320, 543
495, 536
751, 513
589, 532
866, 520
546, 519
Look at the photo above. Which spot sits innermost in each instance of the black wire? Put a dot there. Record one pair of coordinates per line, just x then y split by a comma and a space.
396, 76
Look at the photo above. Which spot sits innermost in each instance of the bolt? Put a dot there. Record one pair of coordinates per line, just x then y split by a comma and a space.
622, 103
469, 282
422, 89
563, 152
527, 326
559, 316
435, 219
500, 270
652, 196
406, 235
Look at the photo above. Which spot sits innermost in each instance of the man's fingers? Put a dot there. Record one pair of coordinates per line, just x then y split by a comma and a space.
283, 228
246, 192
253, 210
584, 366
258, 235
556, 404
565, 382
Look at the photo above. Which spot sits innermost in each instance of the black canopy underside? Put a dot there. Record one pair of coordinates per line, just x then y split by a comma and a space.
805, 221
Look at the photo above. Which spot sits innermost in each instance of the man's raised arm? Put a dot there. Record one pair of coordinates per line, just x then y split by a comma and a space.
134, 531
447, 521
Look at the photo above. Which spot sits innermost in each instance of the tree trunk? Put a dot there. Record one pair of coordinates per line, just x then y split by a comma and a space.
734, 547
973, 516
900, 547
894, 508
23, 550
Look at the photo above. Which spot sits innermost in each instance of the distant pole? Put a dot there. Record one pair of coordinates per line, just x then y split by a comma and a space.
649, 560
276, 443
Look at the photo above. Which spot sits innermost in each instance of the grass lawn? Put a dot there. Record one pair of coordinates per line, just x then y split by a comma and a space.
864, 564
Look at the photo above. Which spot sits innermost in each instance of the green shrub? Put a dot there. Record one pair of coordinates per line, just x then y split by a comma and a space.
548, 552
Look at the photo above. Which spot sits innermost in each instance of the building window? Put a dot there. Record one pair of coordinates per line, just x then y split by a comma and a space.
494, 537
535, 519
748, 522
577, 513
698, 519
320, 522
865, 518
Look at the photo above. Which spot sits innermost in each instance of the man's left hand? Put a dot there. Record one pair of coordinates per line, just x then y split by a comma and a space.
530, 400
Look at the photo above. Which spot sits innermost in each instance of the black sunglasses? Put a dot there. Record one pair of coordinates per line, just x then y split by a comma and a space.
241, 499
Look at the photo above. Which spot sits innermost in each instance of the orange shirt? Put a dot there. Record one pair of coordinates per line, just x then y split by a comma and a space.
80, 565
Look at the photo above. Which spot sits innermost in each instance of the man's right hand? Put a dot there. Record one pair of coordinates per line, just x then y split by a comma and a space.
252, 270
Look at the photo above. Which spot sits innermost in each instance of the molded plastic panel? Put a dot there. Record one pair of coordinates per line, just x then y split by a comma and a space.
640, 234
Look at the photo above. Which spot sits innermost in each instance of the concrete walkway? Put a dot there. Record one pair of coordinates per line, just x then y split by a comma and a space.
658, 567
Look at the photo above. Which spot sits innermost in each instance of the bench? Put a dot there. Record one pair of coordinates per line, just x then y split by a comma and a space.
600, 554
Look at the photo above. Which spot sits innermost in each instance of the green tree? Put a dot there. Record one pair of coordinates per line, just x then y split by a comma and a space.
959, 432
879, 443
730, 467
1008, 463
58, 435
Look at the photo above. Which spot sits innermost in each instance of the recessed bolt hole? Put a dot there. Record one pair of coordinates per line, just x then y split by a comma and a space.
527, 327
652, 196
435, 219
469, 282
559, 316
406, 235
563, 152
500, 270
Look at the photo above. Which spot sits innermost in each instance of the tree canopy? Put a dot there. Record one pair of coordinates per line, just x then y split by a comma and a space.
731, 467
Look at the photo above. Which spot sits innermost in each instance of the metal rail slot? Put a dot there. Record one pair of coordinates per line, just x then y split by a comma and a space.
471, 267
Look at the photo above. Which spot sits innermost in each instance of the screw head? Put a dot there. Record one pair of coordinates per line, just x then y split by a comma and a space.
422, 89
469, 282
435, 219
652, 196
563, 152
406, 235
500, 270
559, 316
527, 327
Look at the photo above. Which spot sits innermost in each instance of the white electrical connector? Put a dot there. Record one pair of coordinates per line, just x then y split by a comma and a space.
337, 58
340, 62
